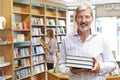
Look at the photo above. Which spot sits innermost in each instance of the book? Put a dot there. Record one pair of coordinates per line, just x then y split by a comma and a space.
79, 58
51, 22
61, 22
79, 62
78, 66
25, 25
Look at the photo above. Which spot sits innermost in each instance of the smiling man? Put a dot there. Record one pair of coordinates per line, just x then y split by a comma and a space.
86, 42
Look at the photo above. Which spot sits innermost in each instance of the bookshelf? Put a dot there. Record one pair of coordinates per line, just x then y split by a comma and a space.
21, 39
56, 20
51, 20
61, 24
38, 32
27, 22
6, 67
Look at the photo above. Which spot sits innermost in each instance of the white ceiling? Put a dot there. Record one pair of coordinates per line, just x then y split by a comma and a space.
71, 3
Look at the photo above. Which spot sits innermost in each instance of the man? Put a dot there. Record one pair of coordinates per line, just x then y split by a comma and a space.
86, 42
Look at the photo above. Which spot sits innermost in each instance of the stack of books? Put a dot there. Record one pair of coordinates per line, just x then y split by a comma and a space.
79, 62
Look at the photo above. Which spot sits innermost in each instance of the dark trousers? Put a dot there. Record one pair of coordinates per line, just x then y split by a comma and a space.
50, 66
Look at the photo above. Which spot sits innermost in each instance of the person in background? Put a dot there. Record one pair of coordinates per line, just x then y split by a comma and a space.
52, 49
86, 42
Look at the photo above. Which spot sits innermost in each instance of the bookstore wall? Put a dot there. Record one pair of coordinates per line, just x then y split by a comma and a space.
21, 54
109, 18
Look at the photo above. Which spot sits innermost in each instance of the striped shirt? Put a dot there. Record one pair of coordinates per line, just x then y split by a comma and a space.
94, 46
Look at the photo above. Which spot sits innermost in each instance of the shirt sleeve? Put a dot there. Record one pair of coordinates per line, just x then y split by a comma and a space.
109, 63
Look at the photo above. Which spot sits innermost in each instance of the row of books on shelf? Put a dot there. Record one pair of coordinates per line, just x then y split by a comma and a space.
79, 62
18, 24
61, 22
37, 21
26, 25
22, 73
36, 40
37, 50
19, 37
22, 63
51, 22
38, 68
21, 26
59, 30
38, 59
36, 31
21, 52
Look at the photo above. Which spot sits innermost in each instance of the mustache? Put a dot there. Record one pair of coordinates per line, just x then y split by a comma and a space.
83, 24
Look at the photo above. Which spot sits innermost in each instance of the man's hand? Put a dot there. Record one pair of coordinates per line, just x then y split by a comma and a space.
96, 67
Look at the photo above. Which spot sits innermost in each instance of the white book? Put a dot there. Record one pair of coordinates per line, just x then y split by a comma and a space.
41, 21
79, 58
20, 37
79, 66
79, 62
61, 22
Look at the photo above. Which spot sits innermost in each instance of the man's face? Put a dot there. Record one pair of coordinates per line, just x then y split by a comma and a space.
84, 20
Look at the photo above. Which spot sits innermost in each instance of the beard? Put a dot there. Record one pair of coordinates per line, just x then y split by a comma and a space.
83, 27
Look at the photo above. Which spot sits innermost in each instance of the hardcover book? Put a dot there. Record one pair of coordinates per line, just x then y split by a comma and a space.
79, 66
79, 62
79, 58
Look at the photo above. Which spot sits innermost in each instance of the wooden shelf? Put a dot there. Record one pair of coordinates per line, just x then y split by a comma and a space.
6, 77
113, 78
56, 76
5, 64
26, 25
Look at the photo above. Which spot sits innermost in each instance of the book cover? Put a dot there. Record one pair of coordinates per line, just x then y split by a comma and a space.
41, 21
25, 25
13, 21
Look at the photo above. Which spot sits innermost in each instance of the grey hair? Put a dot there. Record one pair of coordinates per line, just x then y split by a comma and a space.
83, 6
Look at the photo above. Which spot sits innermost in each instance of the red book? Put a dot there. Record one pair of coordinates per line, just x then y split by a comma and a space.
26, 25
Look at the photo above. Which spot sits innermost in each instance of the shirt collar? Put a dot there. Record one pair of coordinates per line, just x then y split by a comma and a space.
93, 33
